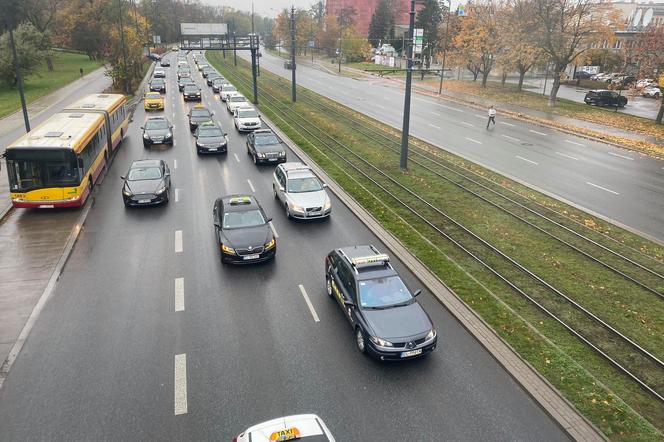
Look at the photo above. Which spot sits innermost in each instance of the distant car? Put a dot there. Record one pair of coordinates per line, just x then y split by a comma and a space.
184, 73
208, 70
157, 130
388, 321
202, 65
212, 76
227, 90
623, 80
305, 427
246, 119
265, 147
159, 73
197, 115
601, 97
288, 64
153, 101
243, 231
191, 92
645, 83
165, 63
582, 75
218, 83
158, 85
210, 138
184, 81
235, 101
651, 92
300, 192
154, 56
147, 183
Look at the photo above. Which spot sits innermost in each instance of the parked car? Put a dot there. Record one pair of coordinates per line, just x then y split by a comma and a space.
602, 97
582, 75
645, 83
651, 91
623, 80
154, 56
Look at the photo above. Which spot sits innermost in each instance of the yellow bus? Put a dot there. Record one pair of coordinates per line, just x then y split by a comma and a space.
57, 163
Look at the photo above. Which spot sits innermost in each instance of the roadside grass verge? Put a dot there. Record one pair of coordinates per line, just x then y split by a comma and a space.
66, 67
609, 399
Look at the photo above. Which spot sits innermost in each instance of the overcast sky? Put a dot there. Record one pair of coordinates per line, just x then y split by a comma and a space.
264, 7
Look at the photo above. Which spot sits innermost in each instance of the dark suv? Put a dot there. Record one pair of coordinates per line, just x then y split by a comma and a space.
388, 321
602, 97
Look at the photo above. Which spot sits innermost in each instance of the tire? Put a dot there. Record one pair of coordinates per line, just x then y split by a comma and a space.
274, 192
288, 215
255, 159
328, 286
359, 340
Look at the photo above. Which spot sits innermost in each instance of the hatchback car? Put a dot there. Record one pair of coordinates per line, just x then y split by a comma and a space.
207, 70
164, 63
157, 130
226, 91
602, 97
265, 147
210, 138
235, 101
651, 92
159, 73
184, 73
147, 183
211, 77
305, 427
197, 115
243, 230
153, 101
387, 320
158, 85
300, 192
184, 81
246, 119
218, 84
191, 92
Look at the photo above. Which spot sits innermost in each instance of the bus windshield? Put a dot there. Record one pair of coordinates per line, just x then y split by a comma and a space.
38, 169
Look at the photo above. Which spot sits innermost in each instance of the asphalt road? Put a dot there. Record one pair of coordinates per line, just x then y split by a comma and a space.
111, 359
612, 182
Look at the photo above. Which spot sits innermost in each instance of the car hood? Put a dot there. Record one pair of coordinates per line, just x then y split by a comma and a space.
251, 236
248, 120
143, 186
270, 148
212, 140
199, 119
157, 132
398, 322
308, 199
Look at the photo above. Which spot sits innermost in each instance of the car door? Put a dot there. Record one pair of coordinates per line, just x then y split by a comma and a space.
167, 176
250, 143
345, 289
279, 184
217, 216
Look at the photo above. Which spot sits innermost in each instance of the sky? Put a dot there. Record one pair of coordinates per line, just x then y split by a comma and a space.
268, 8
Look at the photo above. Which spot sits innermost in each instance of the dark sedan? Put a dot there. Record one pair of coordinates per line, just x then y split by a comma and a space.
387, 320
191, 93
184, 81
157, 130
147, 183
265, 147
197, 115
165, 63
158, 85
218, 83
211, 77
243, 231
210, 138
605, 98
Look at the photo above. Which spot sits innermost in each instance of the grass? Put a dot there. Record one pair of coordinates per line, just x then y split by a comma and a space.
614, 403
66, 67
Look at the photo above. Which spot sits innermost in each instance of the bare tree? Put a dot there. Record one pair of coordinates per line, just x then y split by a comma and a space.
41, 14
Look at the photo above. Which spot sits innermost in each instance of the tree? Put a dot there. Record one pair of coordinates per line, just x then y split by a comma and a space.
649, 56
429, 19
568, 28
28, 49
381, 26
477, 41
516, 27
41, 14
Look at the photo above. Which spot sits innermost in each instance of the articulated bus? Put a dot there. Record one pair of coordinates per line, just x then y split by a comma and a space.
57, 163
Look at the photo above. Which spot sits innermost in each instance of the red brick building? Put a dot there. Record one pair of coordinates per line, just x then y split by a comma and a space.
364, 9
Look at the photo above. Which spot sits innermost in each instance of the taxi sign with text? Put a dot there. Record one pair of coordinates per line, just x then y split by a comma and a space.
287, 434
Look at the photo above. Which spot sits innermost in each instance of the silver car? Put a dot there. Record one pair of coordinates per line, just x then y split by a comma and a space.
301, 192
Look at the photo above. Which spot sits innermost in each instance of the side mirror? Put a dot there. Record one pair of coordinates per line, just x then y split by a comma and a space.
225, 134
269, 220
216, 223
417, 293
348, 303
142, 127
167, 174
281, 188
123, 177
324, 185
211, 113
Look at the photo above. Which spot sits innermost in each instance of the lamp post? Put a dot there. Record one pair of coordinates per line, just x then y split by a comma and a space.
403, 163
17, 72
442, 68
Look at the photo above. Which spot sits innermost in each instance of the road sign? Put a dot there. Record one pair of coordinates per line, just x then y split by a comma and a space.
312, 44
203, 29
461, 11
156, 39
418, 39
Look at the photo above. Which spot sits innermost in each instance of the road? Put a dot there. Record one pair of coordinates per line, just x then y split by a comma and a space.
614, 183
110, 358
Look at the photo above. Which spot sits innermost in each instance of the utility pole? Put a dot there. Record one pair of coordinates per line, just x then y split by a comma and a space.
341, 24
292, 36
252, 39
403, 163
258, 60
17, 72
234, 44
124, 49
442, 70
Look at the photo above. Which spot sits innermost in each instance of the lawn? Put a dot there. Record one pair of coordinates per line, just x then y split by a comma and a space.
608, 398
66, 67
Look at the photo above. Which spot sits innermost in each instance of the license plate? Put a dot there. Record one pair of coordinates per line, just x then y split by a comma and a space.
212, 150
272, 159
46, 206
407, 354
313, 214
158, 140
143, 201
248, 257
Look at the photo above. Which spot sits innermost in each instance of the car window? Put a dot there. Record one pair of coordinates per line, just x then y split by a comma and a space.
237, 99
383, 292
152, 95
210, 132
249, 113
156, 124
301, 185
265, 140
200, 113
347, 280
191, 88
230, 88
144, 173
248, 218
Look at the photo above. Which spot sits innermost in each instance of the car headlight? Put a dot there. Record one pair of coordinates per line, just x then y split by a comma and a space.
125, 192
146, 136
260, 155
282, 153
328, 205
161, 190
270, 244
432, 334
382, 342
169, 135
226, 249
297, 208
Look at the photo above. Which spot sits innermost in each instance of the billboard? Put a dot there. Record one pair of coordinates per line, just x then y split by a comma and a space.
203, 29
418, 40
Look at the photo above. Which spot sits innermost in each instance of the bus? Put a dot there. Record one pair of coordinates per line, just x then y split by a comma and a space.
57, 163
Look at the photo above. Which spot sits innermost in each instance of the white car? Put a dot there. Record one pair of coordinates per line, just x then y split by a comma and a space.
159, 73
226, 90
246, 119
646, 82
298, 427
651, 91
235, 101
300, 191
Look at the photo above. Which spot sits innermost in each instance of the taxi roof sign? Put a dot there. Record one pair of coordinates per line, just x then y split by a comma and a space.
240, 200
287, 434
380, 258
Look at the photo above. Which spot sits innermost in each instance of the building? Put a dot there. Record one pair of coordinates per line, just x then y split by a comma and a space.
364, 10
635, 18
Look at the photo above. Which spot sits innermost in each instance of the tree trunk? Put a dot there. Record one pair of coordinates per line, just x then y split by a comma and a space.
475, 75
660, 114
49, 62
485, 75
554, 89
503, 79
522, 74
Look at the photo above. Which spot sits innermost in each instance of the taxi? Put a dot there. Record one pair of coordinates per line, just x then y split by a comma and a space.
301, 427
153, 101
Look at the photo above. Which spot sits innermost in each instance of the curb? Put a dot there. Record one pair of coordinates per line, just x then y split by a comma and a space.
561, 411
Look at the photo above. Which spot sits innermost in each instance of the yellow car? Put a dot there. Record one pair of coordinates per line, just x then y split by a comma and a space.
153, 101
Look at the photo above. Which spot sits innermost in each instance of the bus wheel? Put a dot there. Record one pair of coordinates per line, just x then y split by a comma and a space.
91, 184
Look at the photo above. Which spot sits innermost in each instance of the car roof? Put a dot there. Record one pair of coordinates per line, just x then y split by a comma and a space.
210, 123
306, 425
367, 261
199, 107
157, 119
239, 202
146, 163
297, 169
263, 132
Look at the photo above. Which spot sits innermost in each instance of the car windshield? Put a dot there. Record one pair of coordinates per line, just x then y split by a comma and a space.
208, 132
237, 99
156, 124
266, 140
249, 218
191, 89
158, 81
230, 89
250, 113
307, 184
152, 96
200, 113
186, 81
383, 292
144, 173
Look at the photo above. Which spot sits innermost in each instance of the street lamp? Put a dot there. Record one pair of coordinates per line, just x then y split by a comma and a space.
447, 27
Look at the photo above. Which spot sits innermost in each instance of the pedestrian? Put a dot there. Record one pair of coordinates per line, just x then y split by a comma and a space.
81, 71
492, 116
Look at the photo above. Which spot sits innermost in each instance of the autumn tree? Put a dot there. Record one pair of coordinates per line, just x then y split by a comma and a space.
381, 27
305, 29
41, 14
648, 53
516, 27
429, 19
477, 41
30, 54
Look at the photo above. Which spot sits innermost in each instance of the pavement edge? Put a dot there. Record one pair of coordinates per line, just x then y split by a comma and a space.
533, 383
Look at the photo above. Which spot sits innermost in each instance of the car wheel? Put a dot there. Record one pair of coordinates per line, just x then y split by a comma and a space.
288, 215
255, 159
274, 192
328, 285
359, 340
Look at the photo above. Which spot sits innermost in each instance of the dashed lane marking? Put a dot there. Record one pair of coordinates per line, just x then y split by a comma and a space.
575, 143
309, 304
510, 138
480, 116
567, 156
236, 157
175, 164
177, 195
435, 113
179, 294
434, 126
620, 156
536, 132
180, 381
527, 160
468, 124
251, 185
450, 108
506, 124
602, 188
473, 140
178, 241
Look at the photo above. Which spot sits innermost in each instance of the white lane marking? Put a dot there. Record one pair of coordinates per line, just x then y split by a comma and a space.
179, 294
274, 230
480, 116
603, 188
181, 384
236, 157
177, 195
474, 141
173, 114
567, 156
308, 301
251, 185
175, 164
380, 106
575, 143
536, 132
620, 156
450, 108
526, 159
178, 241
434, 126
435, 113
174, 144
506, 124
468, 124
510, 138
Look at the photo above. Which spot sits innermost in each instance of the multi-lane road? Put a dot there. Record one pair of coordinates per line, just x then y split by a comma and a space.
147, 336
615, 183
